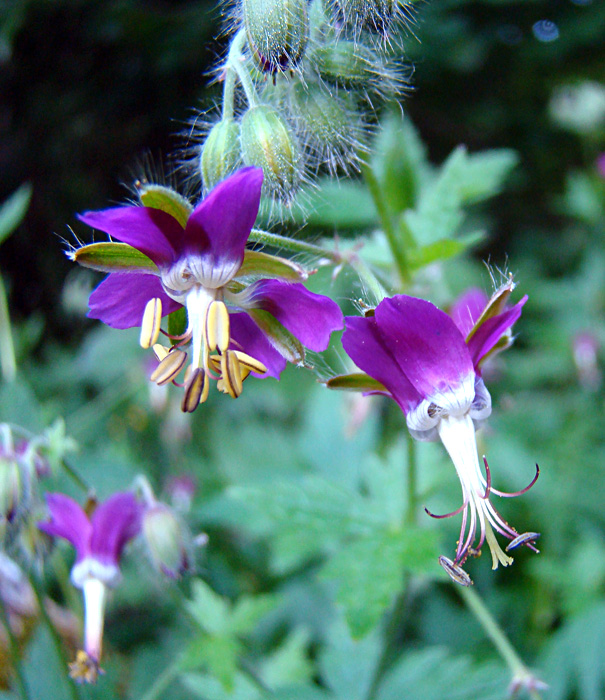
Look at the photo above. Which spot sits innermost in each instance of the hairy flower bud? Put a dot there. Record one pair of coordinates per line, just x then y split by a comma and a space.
221, 153
277, 32
331, 126
356, 66
268, 143
166, 539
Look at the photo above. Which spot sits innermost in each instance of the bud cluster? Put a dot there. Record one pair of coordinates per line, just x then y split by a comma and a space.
312, 76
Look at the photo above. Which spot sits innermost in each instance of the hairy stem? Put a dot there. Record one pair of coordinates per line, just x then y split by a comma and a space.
8, 361
235, 61
285, 243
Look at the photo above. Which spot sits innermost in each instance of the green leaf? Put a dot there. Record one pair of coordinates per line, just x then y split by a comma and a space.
258, 264
484, 173
113, 257
209, 688
210, 610
432, 674
248, 610
167, 200
13, 210
358, 381
442, 250
369, 572
289, 663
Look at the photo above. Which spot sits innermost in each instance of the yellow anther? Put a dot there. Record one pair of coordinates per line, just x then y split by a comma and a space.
231, 374
169, 367
217, 326
250, 362
84, 668
160, 351
150, 325
196, 390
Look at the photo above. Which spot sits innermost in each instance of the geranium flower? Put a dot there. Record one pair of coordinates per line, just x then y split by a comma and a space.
417, 355
245, 310
99, 541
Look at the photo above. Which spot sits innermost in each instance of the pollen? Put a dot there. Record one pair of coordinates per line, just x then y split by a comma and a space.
84, 669
169, 367
150, 325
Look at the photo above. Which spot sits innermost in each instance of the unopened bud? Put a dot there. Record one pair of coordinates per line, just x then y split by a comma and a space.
11, 487
166, 539
277, 32
221, 153
268, 143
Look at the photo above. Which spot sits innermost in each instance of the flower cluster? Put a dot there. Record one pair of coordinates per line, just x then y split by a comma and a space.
431, 366
246, 311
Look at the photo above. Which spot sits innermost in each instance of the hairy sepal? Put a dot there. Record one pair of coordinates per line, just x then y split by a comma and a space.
113, 257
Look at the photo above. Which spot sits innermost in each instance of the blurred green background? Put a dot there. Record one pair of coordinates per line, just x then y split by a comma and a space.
87, 90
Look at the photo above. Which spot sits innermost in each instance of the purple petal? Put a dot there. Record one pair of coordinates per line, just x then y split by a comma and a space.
221, 223
69, 521
120, 299
364, 344
467, 309
114, 523
490, 332
248, 337
152, 231
308, 316
426, 344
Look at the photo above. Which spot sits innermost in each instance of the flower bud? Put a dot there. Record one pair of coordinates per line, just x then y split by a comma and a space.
277, 32
354, 65
331, 126
166, 540
11, 487
221, 153
268, 143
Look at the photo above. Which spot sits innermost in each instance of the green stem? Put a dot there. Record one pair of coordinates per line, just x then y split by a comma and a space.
229, 93
369, 279
7, 347
387, 223
163, 681
56, 637
521, 673
285, 243
236, 62
14, 651
77, 478
412, 482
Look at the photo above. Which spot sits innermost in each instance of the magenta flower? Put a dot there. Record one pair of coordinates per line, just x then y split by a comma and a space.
421, 359
99, 541
238, 321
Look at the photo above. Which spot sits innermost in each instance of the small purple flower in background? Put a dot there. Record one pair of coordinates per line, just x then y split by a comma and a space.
601, 164
238, 321
431, 367
99, 541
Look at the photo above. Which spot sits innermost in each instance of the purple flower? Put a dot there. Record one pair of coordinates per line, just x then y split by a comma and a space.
431, 367
237, 323
99, 541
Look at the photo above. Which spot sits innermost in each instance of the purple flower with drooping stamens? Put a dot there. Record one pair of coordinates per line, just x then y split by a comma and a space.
234, 329
431, 367
99, 541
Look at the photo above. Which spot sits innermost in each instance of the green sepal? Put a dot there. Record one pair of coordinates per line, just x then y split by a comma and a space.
358, 381
259, 264
177, 321
494, 307
167, 200
281, 338
113, 257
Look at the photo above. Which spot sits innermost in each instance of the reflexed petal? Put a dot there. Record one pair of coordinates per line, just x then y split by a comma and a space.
247, 337
364, 344
114, 522
156, 234
430, 350
489, 333
467, 308
120, 300
69, 521
308, 316
221, 223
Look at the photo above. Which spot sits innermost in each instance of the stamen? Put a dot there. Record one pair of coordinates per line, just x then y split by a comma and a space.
250, 362
160, 351
196, 390
506, 494
526, 538
447, 515
84, 669
455, 572
150, 325
231, 374
169, 367
498, 556
217, 326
